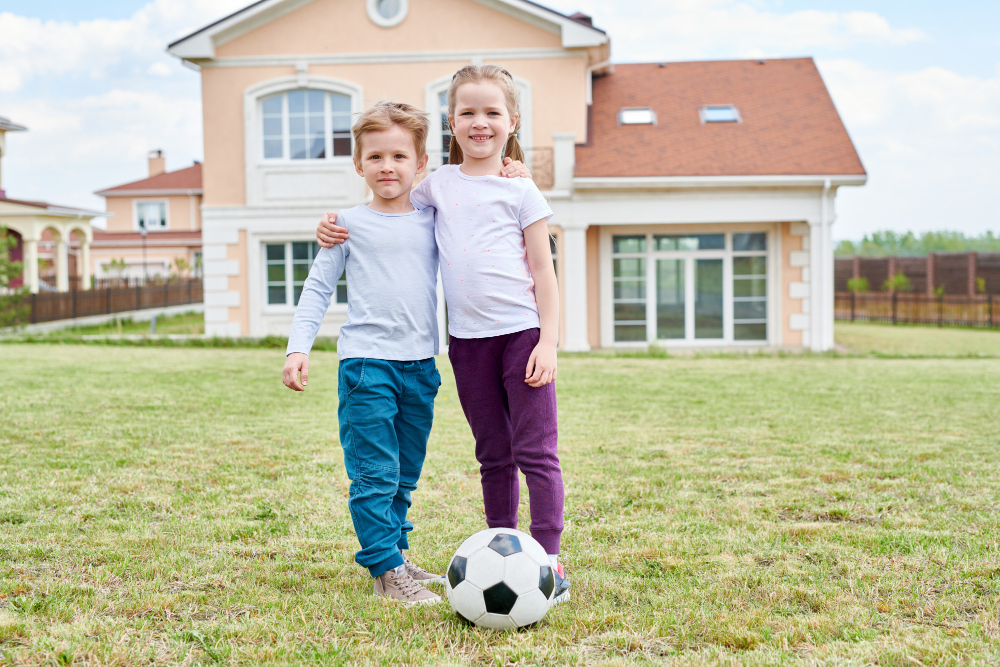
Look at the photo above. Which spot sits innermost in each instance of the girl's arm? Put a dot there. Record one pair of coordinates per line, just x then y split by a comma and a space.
541, 368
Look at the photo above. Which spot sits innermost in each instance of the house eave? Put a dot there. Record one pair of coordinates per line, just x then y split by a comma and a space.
149, 193
733, 181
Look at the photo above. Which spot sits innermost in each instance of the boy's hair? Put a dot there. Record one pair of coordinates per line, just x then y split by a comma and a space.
502, 78
384, 115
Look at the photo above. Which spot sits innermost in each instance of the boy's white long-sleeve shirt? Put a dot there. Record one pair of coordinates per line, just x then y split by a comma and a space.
392, 264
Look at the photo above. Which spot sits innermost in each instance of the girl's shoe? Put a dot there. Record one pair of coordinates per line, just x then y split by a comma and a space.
398, 585
561, 593
420, 575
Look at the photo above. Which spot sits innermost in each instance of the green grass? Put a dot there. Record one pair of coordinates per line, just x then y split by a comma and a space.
185, 323
917, 340
180, 506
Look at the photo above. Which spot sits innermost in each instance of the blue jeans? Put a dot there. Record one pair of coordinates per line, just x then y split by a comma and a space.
386, 409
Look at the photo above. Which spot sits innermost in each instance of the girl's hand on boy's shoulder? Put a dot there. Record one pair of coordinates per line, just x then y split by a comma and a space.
541, 368
514, 169
328, 233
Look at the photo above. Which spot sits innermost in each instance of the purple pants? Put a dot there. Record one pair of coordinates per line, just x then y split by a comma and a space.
515, 427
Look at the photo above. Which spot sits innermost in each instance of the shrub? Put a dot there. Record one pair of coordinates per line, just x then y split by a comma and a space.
896, 283
13, 310
857, 285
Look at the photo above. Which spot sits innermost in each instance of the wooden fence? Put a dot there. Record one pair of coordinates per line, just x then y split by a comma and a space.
49, 306
982, 310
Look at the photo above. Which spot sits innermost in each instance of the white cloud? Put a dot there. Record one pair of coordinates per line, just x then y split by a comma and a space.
160, 69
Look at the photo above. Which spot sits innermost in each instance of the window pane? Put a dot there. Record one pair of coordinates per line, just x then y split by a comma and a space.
341, 145
342, 123
272, 105
316, 125
300, 251
665, 242
300, 271
276, 273
624, 244
275, 251
630, 332
630, 289
756, 241
443, 99
272, 127
630, 311
298, 149
691, 242
296, 293
670, 298
276, 295
340, 104
708, 298
318, 148
749, 266
273, 148
316, 101
755, 331
297, 101
297, 125
750, 287
342, 289
630, 268
720, 114
750, 310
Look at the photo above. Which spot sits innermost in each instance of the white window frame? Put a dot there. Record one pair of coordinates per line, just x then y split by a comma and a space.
727, 254
381, 21
703, 113
625, 110
286, 158
289, 306
166, 214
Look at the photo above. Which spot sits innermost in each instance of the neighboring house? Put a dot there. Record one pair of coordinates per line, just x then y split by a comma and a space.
693, 201
168, 205
48, 237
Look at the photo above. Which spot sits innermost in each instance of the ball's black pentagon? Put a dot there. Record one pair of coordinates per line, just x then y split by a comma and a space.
456, 571
546, 581
499, 599
505, 545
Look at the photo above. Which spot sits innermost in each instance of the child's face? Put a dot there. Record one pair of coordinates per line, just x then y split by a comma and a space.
389, 162
481, 122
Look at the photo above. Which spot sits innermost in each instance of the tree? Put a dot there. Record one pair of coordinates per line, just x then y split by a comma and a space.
896, 283
13, 309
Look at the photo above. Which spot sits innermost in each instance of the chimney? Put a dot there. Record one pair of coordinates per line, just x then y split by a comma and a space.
580, 17
157, 163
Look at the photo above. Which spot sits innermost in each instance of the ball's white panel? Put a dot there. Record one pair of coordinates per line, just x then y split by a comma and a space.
479, 540
520, 573
495, 622
529, 608
484, 568
467, 600
531, 547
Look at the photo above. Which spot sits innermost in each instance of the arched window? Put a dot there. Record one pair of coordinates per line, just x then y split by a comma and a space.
306, 124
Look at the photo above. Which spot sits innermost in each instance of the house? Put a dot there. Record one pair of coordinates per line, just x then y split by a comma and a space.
693, 201
168, 206
48, 237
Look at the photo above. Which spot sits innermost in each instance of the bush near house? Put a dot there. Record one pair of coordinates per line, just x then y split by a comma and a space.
13, 310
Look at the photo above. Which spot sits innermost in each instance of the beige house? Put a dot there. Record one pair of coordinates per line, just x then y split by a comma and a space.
168, 206
693, 201
49, 238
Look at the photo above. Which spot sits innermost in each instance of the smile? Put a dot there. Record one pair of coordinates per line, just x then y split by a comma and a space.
481, 137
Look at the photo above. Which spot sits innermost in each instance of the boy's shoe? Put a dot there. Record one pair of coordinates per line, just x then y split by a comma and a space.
399, 585
420, 575
561, 592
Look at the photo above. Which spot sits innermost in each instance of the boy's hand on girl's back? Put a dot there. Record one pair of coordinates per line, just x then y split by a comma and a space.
541, 368
296, 363
328, 233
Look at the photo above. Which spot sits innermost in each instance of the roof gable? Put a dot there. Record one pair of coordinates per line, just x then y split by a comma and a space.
188, 180
788, 124
203, 44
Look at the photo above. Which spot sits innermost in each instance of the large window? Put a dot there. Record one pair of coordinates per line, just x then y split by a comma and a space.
306, 125
287, 266
151, 215
689, 287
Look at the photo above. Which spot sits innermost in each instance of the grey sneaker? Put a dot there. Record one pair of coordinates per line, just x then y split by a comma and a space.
399, 585
420, 575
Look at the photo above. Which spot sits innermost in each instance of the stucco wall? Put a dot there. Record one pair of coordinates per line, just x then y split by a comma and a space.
184, 212
790, 307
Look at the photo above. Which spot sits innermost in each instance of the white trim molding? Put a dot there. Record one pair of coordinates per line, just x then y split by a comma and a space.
542, 53
671, 182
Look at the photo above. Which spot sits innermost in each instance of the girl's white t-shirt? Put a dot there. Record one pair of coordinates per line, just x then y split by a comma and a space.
484, 265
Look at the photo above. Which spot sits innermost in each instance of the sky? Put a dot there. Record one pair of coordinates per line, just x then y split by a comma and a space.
916, 82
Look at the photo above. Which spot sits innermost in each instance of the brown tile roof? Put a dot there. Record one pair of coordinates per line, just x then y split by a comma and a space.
789, 124
101, 235
182, 179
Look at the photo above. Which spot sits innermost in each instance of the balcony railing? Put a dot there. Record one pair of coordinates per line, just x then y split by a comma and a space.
540, 161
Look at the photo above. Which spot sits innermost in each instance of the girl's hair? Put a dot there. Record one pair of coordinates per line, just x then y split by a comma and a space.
383, 115
503, 79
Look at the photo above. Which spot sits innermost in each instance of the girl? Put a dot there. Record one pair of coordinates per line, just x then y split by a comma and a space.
503, 303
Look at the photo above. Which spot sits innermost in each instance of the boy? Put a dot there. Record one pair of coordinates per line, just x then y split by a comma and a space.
387, 377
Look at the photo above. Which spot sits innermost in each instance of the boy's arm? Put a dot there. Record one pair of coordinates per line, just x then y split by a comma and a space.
317, 290
541, 368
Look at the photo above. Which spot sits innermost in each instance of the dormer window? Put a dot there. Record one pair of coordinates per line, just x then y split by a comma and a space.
720, 113
637, 116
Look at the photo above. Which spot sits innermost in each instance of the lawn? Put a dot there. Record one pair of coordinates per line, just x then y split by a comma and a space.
178, 505
917, 340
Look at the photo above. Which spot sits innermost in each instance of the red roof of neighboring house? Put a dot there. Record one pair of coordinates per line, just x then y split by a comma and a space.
56, 209
182, 179
179, 236
788, 123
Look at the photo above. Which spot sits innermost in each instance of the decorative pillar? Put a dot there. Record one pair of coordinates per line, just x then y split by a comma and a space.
930, 274
564, 159
62, 264
85, 261
972, 274
31, 264
574, 241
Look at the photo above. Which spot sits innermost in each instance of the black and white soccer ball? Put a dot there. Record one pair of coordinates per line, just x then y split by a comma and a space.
500, 579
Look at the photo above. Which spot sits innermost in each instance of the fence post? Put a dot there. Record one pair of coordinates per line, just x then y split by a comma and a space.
138, 296
852, 305
894, 299
991, 310
74, 303
107, 295
34, 307
166, 293
940, 309
190, 299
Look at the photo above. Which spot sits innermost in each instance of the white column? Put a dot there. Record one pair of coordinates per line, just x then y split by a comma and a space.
85, 261
62, 264
575, 288
816, 286
828, 219
564, 158
31, 265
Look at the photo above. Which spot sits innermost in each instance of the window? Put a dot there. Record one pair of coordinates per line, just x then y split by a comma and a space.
287, 267
151, 215
720, 114
689, 287
644, 116
555, 254
306, 125
445, 127
387, 13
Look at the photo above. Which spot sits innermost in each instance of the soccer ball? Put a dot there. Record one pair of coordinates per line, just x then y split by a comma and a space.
500, 579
